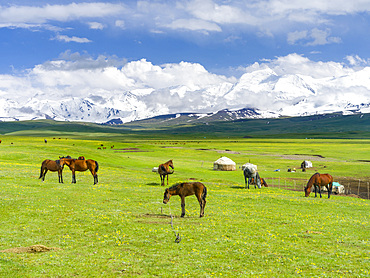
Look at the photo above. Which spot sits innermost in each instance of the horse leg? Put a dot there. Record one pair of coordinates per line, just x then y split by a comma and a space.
320, 190
60, 176
167, 180
73, 176
43, 176
182, 206
330, 189
199, 197
95, 176
246, 181
204, 205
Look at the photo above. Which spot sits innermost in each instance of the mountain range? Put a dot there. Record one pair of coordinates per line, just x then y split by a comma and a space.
260, 92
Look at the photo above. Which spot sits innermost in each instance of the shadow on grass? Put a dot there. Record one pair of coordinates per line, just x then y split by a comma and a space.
153, 184
238, 187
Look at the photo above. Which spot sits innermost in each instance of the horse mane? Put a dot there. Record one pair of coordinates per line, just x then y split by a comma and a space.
175, 186
310, 181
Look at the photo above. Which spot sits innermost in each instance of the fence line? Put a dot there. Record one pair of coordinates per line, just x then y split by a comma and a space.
355, 188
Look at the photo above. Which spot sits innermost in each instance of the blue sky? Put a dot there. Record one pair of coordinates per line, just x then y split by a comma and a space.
220, 35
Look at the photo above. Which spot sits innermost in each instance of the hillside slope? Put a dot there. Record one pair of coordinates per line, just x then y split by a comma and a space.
318, 126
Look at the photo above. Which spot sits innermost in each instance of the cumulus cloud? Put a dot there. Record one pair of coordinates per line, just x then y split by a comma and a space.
96, 25
289, 85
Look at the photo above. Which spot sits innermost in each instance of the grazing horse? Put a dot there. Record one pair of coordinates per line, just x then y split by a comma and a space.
51, 165
318, 180
164, 170
187, 189
250, 174
263, 182
81, 165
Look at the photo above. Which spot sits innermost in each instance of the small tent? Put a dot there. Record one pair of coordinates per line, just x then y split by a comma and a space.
224, 164
306, 164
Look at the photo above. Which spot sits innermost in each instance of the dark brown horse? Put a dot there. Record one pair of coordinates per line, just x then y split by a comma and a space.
51, 165
81, 165
318, 180
164, 170
187, 189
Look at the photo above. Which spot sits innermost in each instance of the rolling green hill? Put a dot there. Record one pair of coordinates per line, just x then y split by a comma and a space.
318, 126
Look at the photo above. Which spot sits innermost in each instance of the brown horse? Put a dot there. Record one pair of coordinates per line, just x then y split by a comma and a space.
263, 182
164, 170
51, 165
81, 165
186, 189
318, 180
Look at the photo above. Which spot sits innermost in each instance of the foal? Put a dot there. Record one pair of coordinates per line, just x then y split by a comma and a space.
186, 189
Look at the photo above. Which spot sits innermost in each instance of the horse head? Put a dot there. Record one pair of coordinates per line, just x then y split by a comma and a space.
307, 191
171, 164
166, 196
258, 180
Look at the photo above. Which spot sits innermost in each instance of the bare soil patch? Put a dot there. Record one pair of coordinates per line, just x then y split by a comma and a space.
30, 249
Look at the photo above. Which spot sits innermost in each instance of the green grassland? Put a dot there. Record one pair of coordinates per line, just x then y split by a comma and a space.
121, 228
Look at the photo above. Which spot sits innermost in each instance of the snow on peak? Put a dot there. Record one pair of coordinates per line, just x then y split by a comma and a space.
100, 92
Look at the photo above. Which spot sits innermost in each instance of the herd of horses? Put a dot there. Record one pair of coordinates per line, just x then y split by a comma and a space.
184, 189
80, 164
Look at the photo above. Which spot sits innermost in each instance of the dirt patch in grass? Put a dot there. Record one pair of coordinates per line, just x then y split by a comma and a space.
30, 249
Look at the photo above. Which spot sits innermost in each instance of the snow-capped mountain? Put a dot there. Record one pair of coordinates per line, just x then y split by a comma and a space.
142, 90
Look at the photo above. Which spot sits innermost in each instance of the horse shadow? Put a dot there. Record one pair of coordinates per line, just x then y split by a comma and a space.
238, 187
152, 184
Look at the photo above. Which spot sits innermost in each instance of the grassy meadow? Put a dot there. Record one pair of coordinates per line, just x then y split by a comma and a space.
121, 228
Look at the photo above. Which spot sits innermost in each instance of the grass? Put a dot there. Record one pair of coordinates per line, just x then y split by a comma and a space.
121, 228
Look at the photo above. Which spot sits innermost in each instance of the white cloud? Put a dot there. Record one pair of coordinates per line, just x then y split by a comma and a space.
355, 60
194, 25
313, 37
16, 15
71, 39
322, 37
120, 24
96, 25
291, 84
295, 36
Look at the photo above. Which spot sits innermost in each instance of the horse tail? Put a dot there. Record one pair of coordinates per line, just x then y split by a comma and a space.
264, 182
96, 166
42, 168
204, 194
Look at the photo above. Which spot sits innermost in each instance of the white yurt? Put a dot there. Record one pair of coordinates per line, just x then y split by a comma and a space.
306, 164
224, 164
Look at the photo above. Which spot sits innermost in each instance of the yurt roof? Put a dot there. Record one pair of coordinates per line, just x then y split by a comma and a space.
225, 161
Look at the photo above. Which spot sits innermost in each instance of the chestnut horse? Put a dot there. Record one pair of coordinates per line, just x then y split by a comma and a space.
81, 165
187, 189
164, 170
51, 165
318, 180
